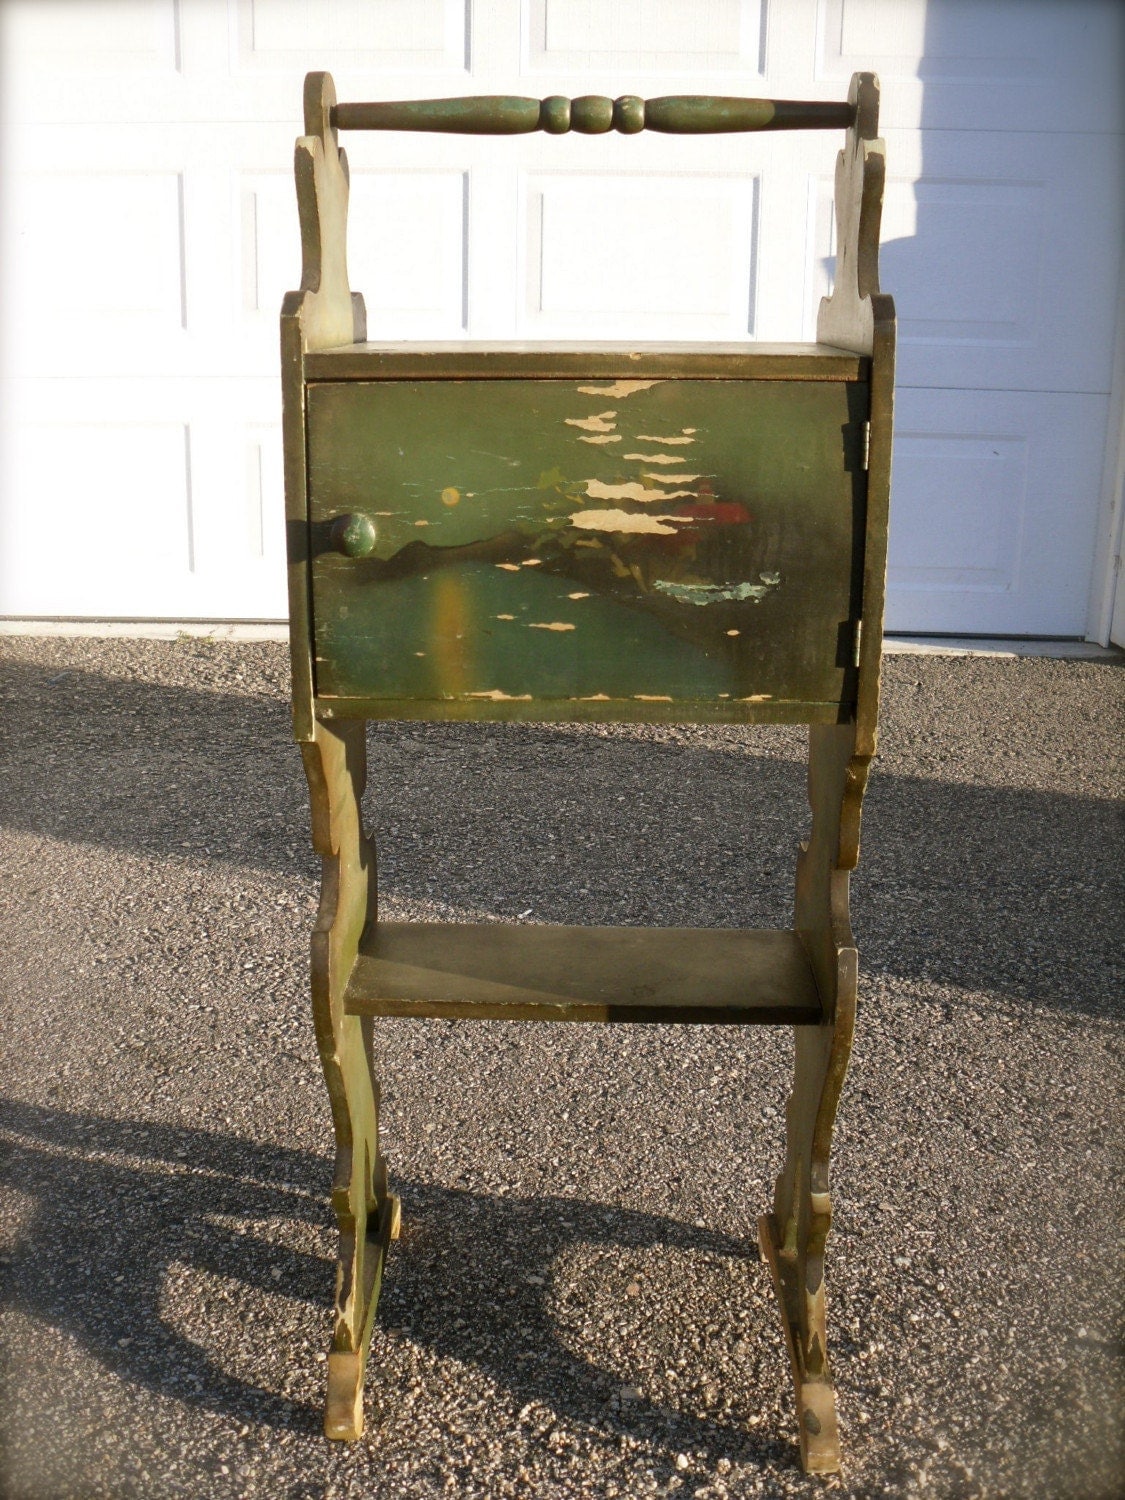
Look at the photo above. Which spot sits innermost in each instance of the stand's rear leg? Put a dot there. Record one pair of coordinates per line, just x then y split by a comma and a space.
335, 763
793, 1236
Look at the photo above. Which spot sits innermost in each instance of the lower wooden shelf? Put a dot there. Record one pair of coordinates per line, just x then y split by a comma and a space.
492, 971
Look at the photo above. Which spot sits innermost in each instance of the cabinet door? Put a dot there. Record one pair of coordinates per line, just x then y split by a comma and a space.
604, 549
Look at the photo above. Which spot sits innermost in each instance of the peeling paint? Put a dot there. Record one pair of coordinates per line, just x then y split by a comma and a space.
770, 577
619, 388
653, 697
494, 695
578, 596
599, 423
655, 458
755, 698
611, 438
622, 520
421, 523
673, 478
532, 562
509, 567
595, 698
552, 625
647, 437
734, 632
711, 593
505, 617
633, 491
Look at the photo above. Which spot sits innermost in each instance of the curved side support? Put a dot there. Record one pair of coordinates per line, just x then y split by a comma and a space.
335, 764
322, 315
857, 316
329, 314
793, 1237
845, 318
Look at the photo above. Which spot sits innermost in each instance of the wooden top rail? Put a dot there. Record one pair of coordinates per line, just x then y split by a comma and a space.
594, 114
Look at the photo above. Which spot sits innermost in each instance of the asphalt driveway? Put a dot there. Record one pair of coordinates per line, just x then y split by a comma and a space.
577, 1306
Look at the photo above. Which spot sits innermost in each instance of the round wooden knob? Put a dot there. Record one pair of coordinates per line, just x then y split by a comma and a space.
353, 535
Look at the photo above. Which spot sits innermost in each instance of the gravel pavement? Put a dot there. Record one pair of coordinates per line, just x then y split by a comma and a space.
577, 1306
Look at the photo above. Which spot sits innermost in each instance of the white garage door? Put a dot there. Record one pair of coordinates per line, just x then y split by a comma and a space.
149, 231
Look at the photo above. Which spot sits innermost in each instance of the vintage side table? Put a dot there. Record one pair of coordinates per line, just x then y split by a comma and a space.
662, 533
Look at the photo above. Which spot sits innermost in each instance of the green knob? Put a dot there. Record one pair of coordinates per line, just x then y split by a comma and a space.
353, 535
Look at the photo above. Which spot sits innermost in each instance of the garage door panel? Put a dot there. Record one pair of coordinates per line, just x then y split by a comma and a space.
98, 251
407, 34
407, 252
638, 36
638, 256
143, 267
125, 36
115, 489
167, 494
990, 61
991, 289
989, 521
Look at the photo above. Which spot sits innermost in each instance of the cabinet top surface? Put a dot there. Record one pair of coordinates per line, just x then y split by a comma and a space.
521, 360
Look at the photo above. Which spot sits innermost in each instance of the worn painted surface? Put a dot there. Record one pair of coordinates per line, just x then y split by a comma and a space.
593, 114
695, 541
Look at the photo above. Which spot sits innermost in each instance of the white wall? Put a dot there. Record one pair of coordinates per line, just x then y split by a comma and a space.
148, 230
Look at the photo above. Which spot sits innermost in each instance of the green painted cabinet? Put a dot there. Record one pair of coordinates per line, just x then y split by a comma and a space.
684, 533
587, 548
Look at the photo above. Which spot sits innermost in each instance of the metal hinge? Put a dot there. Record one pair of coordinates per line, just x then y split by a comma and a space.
857, 643
866, 446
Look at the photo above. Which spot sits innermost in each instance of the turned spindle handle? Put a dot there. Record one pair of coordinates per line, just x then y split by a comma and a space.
353, 535
594, 114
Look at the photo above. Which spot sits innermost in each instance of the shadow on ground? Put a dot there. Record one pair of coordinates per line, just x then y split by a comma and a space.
988, 888
116, 1202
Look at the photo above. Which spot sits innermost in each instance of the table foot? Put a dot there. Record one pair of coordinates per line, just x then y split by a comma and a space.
815, 1396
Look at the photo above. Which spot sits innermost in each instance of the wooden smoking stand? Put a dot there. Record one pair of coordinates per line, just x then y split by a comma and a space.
613, 532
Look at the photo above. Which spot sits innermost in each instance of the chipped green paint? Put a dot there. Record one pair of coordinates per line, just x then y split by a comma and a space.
593, 114
716, 593
519, 555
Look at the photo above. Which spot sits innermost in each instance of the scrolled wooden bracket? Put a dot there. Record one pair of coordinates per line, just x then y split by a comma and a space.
329, 313
859, 317
846, 318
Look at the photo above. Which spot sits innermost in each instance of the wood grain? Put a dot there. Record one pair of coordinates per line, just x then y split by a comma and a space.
546, 973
